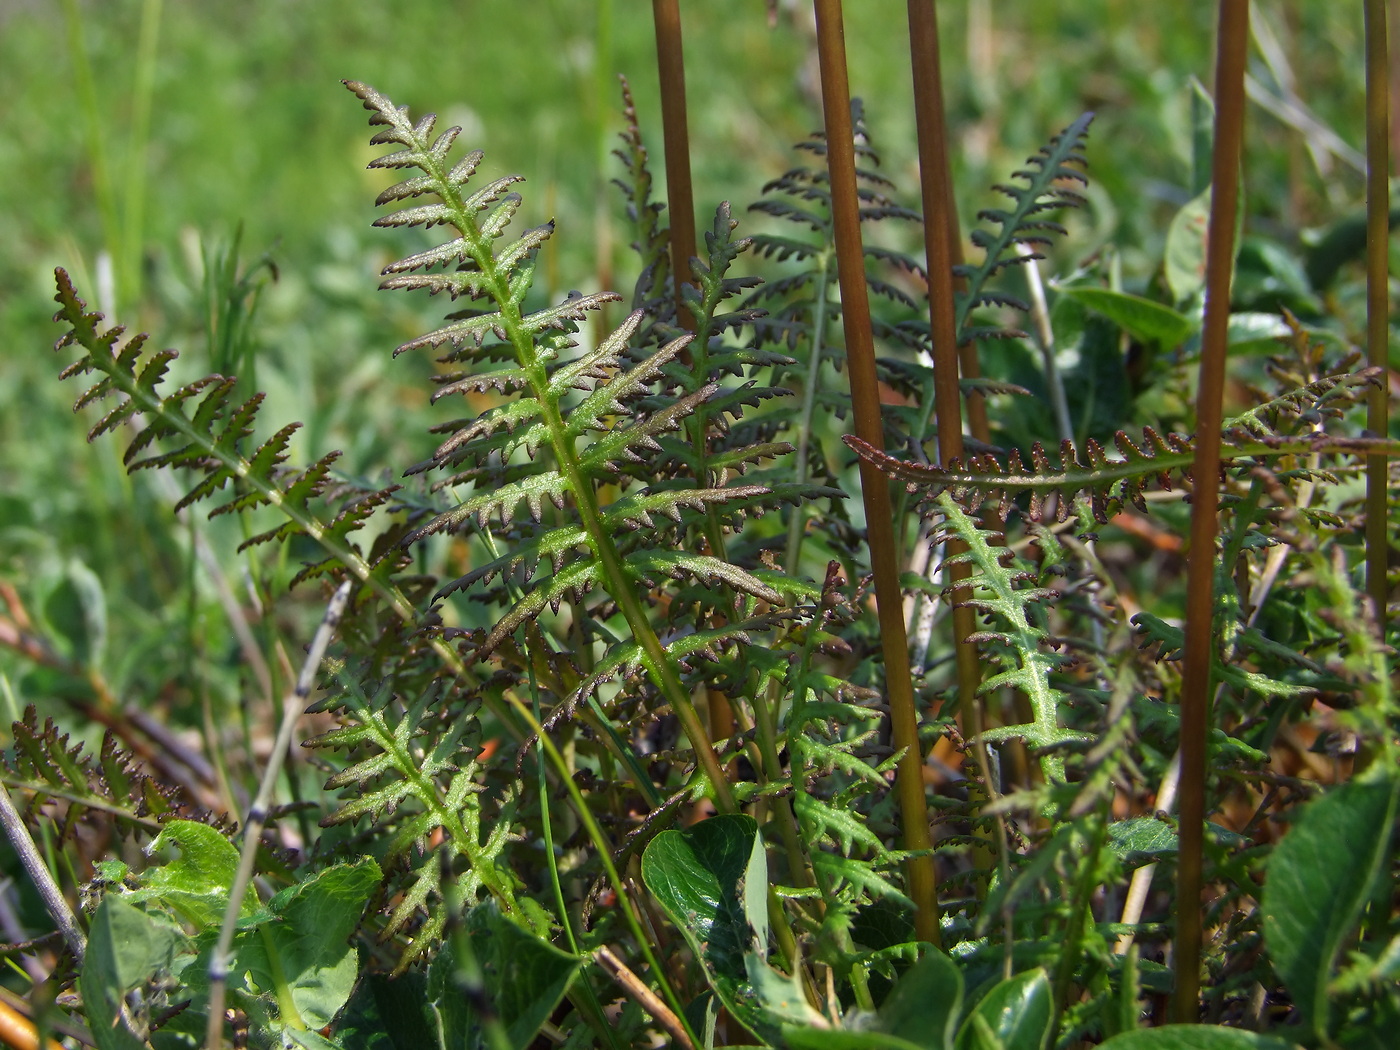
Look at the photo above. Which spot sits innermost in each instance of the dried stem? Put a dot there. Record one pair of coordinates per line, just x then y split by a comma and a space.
644, 997
257, 813
670, 66
54, 901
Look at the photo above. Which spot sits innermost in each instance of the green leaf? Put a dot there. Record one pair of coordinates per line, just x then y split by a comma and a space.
1319, 879
126, 947
1185, 258
712, 882
1255, 332
1141, 839
1195, 1037
525, 978
306, 949
699, 877
1017, 1013
76, 610
839, 1039
923, 1007
196, 883
1143, 319
386, 1013
1202, 136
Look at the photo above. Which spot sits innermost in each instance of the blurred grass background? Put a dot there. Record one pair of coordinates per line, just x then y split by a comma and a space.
155, 131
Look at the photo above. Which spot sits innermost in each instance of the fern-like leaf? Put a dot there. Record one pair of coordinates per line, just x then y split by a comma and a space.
1099, 484
1024, 223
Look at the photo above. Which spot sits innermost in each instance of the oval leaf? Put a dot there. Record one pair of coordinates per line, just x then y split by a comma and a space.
1319, 879
1143, 319
1018, 1012
924, 1006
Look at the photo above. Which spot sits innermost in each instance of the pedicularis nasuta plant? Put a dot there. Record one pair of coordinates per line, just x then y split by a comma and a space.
536, 837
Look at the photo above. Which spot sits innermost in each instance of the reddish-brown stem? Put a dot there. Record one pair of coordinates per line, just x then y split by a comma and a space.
1377, 296
1231, 43
865, 398
939, 247
670, 65
936, 172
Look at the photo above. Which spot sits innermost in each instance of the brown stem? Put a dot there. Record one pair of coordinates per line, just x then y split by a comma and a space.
670, 66
939, 242
929, 112
865, 399
1231, 44
1377, 296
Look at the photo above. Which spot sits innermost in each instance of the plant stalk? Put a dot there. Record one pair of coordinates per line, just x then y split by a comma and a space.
294, 706
1377, 296
670, 66
929, 112
875, 490
54, 901
680, 196
939, 241
1231, 46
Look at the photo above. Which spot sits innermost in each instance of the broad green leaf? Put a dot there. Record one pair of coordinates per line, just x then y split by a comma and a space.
1375, 1028
780, 995
307, 1039
315, 965
1143, 319
977, 1034
525, 978
1338, 244
1195, 1037
197, 880
1017, 1013
711, 880
924, 1006
126, 947
1319, 878
699, 877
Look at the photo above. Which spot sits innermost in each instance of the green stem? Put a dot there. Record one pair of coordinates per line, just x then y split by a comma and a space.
601, 844
281, 990
587, 999
797, 523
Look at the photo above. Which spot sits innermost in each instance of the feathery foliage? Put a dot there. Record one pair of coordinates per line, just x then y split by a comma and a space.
612, 533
